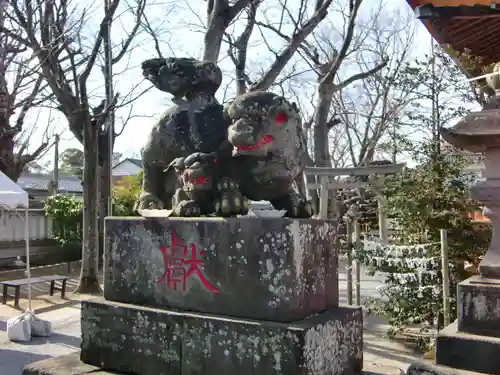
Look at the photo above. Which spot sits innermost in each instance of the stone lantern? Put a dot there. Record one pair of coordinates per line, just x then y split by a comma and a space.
479, 132
472, 342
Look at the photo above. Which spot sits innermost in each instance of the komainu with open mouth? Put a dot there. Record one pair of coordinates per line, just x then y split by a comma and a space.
269, 151
263, 159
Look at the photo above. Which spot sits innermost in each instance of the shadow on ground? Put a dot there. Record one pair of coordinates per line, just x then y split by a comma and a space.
55, 338
12, 361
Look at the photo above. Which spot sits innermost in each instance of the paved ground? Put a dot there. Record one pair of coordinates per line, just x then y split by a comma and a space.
381, 355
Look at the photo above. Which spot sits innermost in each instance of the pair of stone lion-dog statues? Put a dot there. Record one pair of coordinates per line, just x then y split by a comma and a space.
202, 158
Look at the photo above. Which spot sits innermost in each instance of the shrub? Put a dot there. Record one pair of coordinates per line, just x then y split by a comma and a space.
125, 194
421, 202
67, 221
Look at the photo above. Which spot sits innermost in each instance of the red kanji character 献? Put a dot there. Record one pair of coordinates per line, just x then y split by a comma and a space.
194, 264
174, 257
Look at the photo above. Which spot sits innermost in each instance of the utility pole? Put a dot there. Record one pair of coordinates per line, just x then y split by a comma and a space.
108, 66
3, 83
54, 182
55, 173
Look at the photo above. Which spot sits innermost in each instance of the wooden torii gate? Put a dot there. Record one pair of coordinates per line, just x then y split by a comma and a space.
325, 184
376, 175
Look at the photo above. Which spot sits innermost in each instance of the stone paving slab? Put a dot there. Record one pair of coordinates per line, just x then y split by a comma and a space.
423, 367
71, 365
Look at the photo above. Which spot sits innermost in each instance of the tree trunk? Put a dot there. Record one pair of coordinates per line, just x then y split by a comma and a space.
89, 281
322, 157
213, 37
105, 191
7, 164
324, 102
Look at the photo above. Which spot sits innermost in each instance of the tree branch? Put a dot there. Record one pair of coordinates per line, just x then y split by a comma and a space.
360, 76
141, 5
296, 41
238, 50
219, 15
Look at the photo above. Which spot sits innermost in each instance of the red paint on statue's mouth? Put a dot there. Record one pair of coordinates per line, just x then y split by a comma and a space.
201, 180
265, 140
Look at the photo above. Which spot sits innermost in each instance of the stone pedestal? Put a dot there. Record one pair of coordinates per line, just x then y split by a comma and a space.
479, 306
221, 296
270, 269
471, 344
153, 341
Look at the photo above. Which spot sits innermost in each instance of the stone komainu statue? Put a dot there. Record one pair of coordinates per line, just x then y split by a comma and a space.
202, 159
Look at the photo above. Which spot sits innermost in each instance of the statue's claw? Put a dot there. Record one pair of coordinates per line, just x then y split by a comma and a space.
188, 208
230, 201
296, 206
148, 202
301, 209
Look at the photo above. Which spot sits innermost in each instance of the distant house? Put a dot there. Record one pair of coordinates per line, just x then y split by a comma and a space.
38, 185
126, 167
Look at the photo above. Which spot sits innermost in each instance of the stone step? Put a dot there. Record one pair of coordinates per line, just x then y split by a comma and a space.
275, 269
146, 341
467, 351
424, 367
71, 364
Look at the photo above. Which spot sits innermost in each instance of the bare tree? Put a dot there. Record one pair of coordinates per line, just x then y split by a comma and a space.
327, 87
53, 31
220, 14
238, 48
325, 58
21, 90
372, 111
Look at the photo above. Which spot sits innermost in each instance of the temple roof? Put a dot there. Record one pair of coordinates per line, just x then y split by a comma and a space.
463, 24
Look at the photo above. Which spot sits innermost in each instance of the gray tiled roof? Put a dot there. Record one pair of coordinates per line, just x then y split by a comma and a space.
40, 182
137, 162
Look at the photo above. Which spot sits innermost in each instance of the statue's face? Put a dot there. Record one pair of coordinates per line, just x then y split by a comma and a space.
180, 76
262, 122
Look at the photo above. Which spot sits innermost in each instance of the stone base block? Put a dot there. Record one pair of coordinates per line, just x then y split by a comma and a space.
429, 368
265, 269
147, 341
466, 351
479, 306
69, 364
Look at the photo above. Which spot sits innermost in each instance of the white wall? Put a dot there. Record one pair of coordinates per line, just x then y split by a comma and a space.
12, 226
126, 168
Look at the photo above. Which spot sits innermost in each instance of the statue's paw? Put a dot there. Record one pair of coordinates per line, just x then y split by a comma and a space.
300, 209
226, 185
148, 202
188, 208
231, 203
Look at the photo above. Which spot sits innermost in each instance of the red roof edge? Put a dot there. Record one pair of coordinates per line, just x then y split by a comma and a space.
428, 24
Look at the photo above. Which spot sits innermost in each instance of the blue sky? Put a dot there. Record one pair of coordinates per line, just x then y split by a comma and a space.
181, 33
